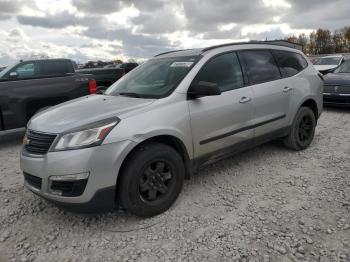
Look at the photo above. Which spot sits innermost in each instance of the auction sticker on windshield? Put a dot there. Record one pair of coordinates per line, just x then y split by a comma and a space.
181, 64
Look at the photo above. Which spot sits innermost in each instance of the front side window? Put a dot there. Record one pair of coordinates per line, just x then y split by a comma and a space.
156, 78
290, 63
260, 66
26, 70
223, 70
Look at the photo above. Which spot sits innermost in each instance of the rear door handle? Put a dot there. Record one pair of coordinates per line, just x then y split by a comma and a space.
245, 100
287, 89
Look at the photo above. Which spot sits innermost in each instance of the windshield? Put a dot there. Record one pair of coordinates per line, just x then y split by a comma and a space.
156, 78
344, 68
6, 70
328, 61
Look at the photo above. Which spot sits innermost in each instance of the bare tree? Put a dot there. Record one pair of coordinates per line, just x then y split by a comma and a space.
323, 41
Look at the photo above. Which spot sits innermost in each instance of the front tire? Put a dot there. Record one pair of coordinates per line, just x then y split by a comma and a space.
151, 180
302, 131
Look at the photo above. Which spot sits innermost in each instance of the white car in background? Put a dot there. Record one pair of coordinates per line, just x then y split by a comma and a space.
328, 63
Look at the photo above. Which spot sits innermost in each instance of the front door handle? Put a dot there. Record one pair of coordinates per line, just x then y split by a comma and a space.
287, 89
245, 100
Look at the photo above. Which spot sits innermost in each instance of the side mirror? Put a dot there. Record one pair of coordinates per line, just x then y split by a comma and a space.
100, 90
13, 75
203, 88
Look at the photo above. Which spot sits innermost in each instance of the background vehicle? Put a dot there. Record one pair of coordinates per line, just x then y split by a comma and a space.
328, 63
30, 86
127, 66
104, 76
337, 86
107, 76
165, 119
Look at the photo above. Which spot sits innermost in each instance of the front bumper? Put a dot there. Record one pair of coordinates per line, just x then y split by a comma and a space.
334, 99
101, 163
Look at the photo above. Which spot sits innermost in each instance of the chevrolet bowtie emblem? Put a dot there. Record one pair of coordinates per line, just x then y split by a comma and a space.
26, 141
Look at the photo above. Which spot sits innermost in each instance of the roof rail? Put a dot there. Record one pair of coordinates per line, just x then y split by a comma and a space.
276, 42
169, 52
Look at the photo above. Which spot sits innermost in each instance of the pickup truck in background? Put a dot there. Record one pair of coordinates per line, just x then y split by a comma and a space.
108, 75
31, 86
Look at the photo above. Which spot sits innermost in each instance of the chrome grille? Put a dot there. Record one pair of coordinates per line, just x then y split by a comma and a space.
334, 89
38, 143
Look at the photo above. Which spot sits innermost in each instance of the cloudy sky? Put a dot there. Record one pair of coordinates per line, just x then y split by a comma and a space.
109, 29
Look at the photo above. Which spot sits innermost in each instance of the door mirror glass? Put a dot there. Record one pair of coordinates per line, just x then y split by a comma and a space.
203, 88
13, 75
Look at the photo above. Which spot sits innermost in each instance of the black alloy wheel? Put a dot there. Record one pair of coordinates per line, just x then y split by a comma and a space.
156, 181
151, 179
302, 130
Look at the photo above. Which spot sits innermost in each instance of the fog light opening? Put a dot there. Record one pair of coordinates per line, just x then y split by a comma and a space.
68, 185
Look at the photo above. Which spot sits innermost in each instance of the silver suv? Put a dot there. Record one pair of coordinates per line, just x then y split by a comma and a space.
134, 145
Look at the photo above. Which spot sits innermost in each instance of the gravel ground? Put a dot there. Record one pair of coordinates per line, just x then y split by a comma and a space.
267, 204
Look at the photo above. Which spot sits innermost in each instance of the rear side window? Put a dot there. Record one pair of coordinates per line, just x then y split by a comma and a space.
224, 70
290, 63
260, 66
56, 68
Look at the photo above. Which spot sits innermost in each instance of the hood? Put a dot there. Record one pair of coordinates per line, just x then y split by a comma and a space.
325, 67
342, 79
83, 111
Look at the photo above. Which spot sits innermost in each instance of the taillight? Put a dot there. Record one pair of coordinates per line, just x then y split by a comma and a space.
321, 76
92, 86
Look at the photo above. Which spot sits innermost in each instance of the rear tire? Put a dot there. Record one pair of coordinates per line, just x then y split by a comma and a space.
302, 131
151, 180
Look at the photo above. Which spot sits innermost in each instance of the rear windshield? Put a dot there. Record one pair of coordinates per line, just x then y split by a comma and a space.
344, 68
328, 61
156, 78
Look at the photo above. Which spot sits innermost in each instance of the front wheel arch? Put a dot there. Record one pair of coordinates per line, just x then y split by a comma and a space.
171, 141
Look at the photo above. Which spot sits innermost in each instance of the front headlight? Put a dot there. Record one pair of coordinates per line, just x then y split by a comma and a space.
85, 138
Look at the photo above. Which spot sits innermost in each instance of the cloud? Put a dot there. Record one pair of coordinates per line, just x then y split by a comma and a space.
17, 35
136, 45
98, 6
8, 9
313, 14
101, 29
111, 6
207, 16
59, 20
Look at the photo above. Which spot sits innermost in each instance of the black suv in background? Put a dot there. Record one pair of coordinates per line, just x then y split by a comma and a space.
30, 86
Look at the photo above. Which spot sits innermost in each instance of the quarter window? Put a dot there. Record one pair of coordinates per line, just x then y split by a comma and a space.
290, 63
260, 66
224, 70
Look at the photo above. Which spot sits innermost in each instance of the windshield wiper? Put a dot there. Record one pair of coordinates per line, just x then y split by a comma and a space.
130, 94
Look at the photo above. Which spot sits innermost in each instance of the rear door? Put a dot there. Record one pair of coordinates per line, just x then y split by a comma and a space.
58, 80
220, 122
272, 93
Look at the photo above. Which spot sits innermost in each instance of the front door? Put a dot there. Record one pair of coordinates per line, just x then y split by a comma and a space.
219, 122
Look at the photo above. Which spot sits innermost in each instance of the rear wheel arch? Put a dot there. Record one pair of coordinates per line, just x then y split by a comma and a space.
311, 103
